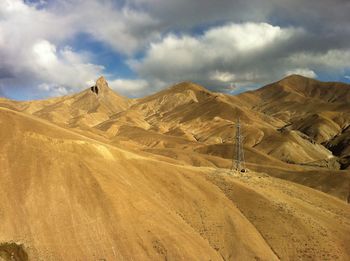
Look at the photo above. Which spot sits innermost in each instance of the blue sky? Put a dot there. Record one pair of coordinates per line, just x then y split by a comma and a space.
51, 48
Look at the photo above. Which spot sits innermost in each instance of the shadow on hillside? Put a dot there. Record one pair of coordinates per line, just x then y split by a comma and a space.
12, 252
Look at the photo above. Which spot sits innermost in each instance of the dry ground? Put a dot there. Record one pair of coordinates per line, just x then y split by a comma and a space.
68, 197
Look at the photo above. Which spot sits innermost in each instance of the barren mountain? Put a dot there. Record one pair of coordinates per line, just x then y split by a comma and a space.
321, 110
97, 176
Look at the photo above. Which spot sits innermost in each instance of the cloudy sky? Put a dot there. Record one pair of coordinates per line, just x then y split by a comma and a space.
56, 47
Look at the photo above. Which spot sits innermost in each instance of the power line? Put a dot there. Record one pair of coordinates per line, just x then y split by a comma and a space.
238, 162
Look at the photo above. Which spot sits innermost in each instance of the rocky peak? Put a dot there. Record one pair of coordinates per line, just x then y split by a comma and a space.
102, 83
100, 87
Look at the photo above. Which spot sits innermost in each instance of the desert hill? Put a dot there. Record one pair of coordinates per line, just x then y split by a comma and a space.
318, 109
87, 108
94, 175
190, 112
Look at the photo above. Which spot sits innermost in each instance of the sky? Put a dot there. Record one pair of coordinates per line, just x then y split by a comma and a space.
57, 47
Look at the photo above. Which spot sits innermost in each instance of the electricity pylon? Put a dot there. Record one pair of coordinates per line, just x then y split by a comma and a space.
238, 152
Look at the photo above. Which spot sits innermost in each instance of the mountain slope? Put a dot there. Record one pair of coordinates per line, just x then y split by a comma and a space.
66, 196
291, 121
126, 212
320, 110
87, 108
95, 176
191, 112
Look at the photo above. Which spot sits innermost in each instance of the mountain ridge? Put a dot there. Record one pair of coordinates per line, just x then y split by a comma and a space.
193, 113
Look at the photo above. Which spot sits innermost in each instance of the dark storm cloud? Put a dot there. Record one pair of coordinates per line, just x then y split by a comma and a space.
316, 14
5, 72
189, 14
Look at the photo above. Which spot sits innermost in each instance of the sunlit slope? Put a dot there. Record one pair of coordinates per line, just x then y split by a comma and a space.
333, 182
292, 120
85, 109
298, 95
298, 223
193, 114
320, 110
67, 197
289, 126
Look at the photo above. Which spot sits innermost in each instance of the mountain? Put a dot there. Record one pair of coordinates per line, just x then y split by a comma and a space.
288, 124
98, 176
317, 109
85, 109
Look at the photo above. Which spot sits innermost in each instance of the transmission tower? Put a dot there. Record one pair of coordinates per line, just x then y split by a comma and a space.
238, 163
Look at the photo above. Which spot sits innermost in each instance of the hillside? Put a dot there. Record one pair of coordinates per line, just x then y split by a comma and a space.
98, 176
85, 109
144, 208
298, 121
317, 109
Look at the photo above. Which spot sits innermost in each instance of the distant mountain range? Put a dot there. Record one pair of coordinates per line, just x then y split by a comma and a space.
296, 120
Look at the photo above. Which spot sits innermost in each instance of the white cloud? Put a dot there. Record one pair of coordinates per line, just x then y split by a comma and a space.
332, 60
33, 50
124, 29
45, 53
130, 87
223, 43
247, 37
231, 52
128, 84
53, 89
222, 76
248, 54
34, 45
50, 64
302, 71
